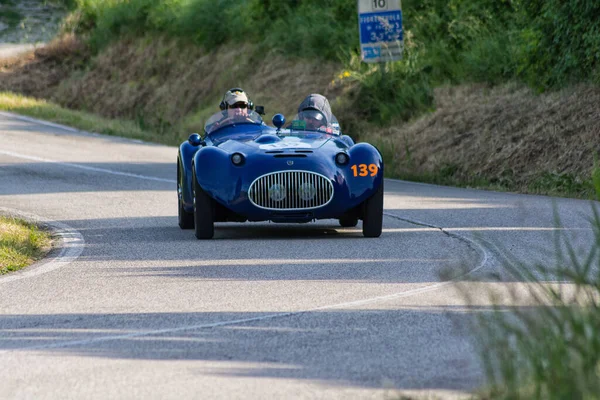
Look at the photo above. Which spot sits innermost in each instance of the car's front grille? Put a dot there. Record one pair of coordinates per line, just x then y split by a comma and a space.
291, 190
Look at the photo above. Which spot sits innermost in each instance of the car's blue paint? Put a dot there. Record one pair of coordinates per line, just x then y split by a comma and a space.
278, 120
229, 184
195, 139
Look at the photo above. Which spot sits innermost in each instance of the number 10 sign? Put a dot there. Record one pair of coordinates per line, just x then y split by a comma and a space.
380, 27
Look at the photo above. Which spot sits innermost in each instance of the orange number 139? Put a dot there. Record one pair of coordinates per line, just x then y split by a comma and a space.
364, 169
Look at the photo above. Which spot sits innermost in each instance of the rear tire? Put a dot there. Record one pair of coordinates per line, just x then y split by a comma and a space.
373, 214
348, 222
204, 212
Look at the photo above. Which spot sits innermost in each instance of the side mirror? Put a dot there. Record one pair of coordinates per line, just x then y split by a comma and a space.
260, 110
195, 140
278, 120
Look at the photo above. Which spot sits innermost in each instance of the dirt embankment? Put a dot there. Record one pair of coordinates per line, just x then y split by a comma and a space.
162, 84
506, 136
509, 136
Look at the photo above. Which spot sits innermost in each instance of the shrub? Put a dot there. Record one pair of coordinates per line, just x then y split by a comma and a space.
561, 41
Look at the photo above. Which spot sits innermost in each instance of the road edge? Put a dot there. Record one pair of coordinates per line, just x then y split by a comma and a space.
68, 248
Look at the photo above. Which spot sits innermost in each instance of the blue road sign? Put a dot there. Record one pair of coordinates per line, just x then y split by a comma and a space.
380, 26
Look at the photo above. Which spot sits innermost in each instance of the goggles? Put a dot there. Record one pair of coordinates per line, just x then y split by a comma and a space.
239, 105
313, 115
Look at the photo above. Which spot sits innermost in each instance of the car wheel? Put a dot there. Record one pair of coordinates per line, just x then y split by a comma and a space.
204, 212
373, 214
185, 219
348, 222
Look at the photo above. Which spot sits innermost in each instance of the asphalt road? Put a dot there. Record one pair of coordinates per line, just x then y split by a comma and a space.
133, 307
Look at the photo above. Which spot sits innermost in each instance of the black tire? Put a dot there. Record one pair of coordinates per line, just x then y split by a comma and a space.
348, 222
373, 214
204, 212
185, 219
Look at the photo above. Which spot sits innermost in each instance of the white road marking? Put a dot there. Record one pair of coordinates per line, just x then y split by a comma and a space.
68, 128
514, 228
486, 229
476, 246
71, 246
87, 168
40, 122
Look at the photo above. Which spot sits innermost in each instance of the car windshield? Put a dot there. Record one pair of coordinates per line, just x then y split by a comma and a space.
232, 117
314, 120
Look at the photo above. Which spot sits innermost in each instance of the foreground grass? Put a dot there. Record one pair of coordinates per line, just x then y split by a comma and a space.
81, 120
549, 347
21, 244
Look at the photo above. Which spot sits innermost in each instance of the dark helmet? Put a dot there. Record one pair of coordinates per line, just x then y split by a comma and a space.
317, 102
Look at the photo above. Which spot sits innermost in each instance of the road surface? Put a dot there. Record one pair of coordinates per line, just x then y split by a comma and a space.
130, 306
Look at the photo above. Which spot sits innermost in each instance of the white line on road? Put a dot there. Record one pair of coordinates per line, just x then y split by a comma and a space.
393, 296
40, 122
87, 168
72, 130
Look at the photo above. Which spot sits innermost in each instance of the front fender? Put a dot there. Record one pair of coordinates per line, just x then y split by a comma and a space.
217, 175
360, 185
184, 173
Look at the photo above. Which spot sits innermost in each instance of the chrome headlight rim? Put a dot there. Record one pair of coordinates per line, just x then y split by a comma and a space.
342, 158
238, 159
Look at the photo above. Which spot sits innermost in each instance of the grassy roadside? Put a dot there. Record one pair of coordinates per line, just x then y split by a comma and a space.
541, 339
21, 243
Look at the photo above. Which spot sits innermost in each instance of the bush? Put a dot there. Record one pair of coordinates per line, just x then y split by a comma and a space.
384, 92
560, 41
546, 43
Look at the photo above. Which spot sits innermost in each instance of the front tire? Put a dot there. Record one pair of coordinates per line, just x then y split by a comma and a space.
373, 214
185, 219
204, 212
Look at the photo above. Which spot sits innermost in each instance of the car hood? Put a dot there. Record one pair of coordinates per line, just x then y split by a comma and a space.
266, 141
306, 141
273, 143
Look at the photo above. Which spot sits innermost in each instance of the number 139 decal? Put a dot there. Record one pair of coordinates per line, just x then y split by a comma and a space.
364, 169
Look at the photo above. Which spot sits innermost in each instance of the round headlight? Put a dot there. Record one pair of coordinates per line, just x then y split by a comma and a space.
237, 159
342, 158
307, 191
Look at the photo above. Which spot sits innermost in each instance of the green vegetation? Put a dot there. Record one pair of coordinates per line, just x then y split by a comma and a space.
549, 348
596, 179
547, 44
21, 243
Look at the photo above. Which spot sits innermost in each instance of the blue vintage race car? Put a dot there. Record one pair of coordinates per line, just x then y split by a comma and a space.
243, 170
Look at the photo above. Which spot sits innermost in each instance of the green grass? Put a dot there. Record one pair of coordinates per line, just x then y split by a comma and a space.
81, 120
565, 184
549, 349
452, 174
21, 243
